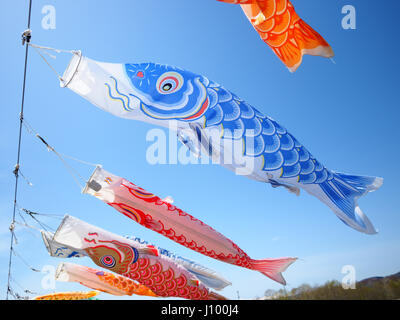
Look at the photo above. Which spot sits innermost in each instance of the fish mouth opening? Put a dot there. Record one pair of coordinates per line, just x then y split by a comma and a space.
91, 182
71, 69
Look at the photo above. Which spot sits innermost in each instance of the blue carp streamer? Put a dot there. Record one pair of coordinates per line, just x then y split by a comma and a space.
167, 93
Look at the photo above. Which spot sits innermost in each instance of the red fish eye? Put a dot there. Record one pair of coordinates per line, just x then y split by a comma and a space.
140, 74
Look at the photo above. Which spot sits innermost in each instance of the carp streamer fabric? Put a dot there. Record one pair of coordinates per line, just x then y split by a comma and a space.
101, 280
207, 276
163, 217
284, 31
142, 263
209, 118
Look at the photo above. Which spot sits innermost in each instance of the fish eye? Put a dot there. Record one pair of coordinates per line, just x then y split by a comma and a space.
166, 87
169, 82
108, 261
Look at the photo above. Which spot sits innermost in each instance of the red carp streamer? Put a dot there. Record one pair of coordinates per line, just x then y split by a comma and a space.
163, 217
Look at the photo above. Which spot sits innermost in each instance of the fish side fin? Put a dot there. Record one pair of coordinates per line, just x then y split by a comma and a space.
150, 250
168, 199
341, 194
292, 189
193, 282
188, 138
273, 268
215, 296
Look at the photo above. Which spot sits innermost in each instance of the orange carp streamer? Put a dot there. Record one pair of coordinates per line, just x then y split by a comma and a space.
100, 280
68, 296
284, 31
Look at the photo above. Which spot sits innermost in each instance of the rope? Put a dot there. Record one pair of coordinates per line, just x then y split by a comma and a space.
75, 175
39, 49
26, 39
73, 172
51, 67
11, 292
25, 225
22, 288
26, 180
31, 213
12, 228
16, 295
55, 216
24, 262
54, 49
43, 225
19, 213
28, 227
78, 160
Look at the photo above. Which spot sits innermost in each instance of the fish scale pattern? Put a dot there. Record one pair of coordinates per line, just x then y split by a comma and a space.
236, 119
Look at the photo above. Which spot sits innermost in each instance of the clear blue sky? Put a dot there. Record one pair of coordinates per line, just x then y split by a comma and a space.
346, 113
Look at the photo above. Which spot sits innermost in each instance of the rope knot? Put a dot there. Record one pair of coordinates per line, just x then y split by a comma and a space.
16, 170
26, 36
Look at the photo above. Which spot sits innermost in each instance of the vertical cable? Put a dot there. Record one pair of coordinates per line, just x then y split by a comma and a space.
19, 151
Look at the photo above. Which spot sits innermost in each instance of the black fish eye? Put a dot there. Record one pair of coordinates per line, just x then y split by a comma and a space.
167, 87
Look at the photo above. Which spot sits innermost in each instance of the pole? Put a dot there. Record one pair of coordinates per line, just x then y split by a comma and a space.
25, 38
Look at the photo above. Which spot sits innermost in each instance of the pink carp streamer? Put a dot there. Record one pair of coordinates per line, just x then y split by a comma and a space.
163, 217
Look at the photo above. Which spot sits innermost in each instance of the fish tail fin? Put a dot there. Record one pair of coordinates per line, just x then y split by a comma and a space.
305, 40
273, 268
341, 193
311, 42
286, 33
